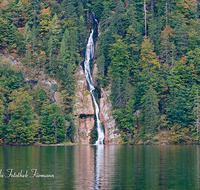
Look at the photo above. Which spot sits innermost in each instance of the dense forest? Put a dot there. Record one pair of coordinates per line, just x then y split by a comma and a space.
147, 53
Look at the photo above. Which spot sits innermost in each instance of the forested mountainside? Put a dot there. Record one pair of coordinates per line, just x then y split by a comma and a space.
147, 53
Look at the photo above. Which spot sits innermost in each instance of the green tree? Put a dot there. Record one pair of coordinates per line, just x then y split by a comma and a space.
179, 109
126, 121
45, 20
181, 39
166, 53
196, 110
127, 89
2, 124
155, 31
148, 58
52, 124
27, 39
69, 11
64, 50
40, 98
119, 59
20, 130
193, 60
66, 69
116, 93
10, 78
151, 113
54, 43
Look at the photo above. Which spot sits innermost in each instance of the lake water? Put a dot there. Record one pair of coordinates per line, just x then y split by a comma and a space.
100, 167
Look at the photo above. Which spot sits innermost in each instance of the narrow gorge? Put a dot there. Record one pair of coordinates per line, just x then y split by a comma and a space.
84, 112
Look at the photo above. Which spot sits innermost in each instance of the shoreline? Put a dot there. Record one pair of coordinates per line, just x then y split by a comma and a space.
77, 144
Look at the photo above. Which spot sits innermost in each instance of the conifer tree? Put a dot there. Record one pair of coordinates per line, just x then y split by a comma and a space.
192, 60
67, 63
52, 124
181, 37
166, 46
20, 130
119, 59
39, 99
116, 24
196, 110
127, 89
145, 18
50, 53
151, 113
69, 11
116, 95
154, 32
27, 39
2, 124
82, 35
54, 44
74, 47
132, 40
179, 109
44, 23
133, 47
107, 17
148, 58
64, 50
66, 70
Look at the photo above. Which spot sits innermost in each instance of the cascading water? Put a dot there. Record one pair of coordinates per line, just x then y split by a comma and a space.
88, 56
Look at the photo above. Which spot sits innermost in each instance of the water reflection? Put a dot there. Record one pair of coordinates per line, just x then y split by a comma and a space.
99, 163
103, 167
95, 166
84, 166
198, 166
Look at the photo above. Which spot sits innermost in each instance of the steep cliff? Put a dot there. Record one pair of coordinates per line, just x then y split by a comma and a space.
83, 109
84, 112
112, 135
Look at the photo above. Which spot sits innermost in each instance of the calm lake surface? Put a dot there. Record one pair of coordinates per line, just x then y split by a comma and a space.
100, 167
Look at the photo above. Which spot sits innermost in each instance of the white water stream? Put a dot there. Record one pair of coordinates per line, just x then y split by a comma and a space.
88, 56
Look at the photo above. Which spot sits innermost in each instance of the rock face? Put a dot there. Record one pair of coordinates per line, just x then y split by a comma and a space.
83, 109
112, 135
84, 112
94, 74
34, 77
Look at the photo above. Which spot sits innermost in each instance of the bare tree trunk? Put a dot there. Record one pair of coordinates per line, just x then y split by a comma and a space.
166, 50
33, 29
166, 13
126, 3
145, 18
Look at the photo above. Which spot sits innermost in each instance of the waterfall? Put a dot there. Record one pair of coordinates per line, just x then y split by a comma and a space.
88, 56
